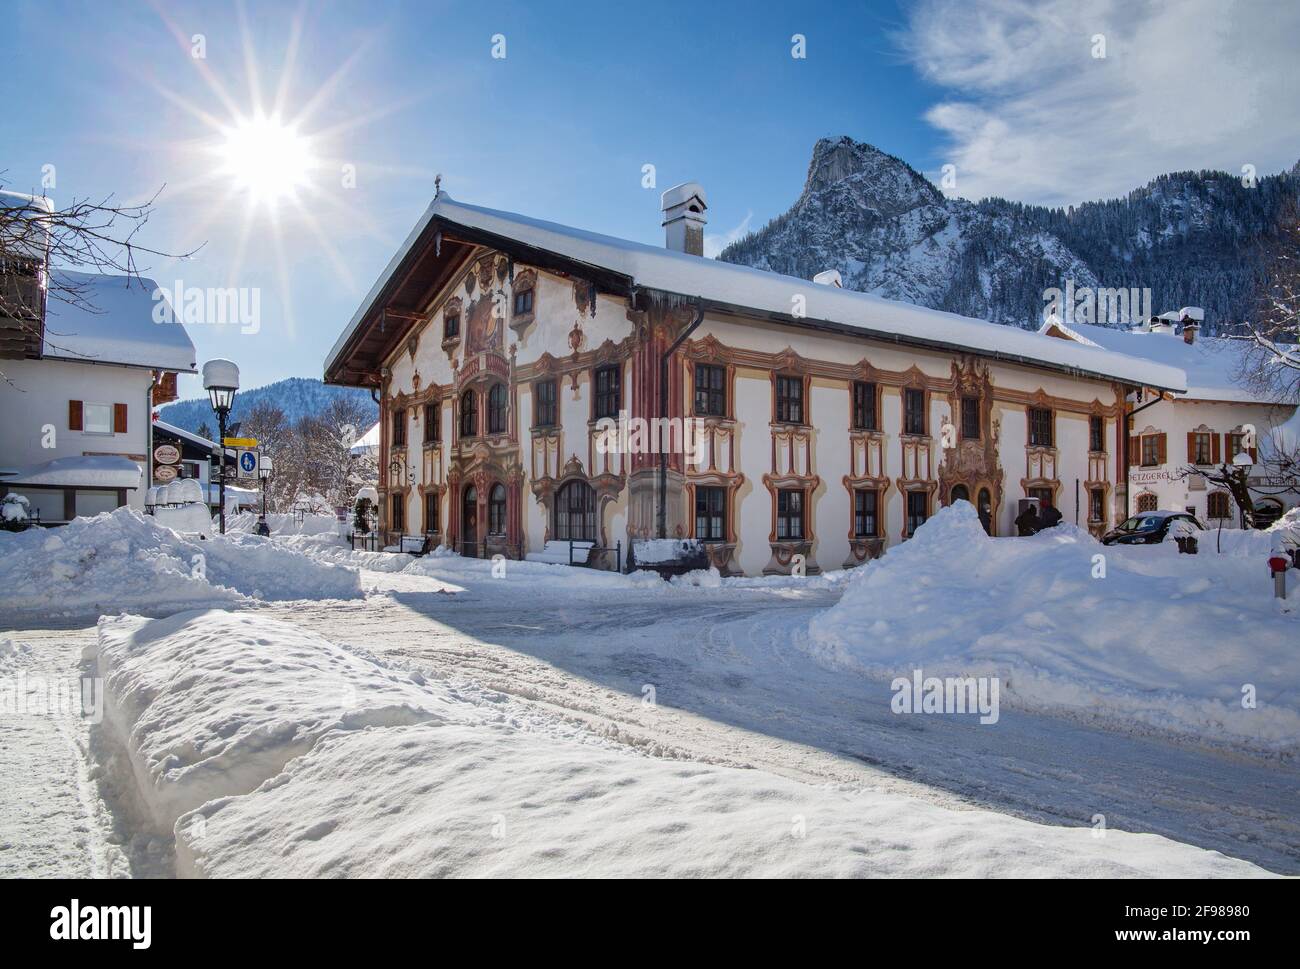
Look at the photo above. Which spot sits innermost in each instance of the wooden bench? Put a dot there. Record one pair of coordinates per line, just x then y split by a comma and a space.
558, 553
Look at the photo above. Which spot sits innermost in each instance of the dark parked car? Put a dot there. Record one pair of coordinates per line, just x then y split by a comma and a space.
1147, 528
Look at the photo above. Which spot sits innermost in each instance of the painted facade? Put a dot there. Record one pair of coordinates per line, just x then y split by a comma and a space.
491, 441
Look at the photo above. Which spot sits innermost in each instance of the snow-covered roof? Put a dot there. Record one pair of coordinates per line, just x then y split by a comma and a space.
93, 471
1211, 363
727, 284
367, 442
116, 326
188, 435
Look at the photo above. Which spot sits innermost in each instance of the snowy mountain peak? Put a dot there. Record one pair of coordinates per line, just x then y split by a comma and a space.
1185, 236
875, 174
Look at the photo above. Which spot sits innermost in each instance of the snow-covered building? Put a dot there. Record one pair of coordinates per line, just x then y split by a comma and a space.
525, 370
82, 379
1219, 415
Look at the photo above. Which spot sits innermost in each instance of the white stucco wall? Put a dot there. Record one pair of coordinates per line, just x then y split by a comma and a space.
35, 399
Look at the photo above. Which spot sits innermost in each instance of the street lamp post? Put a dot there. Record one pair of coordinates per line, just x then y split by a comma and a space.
264, 468
221, 381
1242, 464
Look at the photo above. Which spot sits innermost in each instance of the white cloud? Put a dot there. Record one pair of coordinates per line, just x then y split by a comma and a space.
714, 243
1032, 115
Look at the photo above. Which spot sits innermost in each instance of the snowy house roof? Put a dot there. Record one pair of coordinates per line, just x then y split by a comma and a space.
116, 326
202, 442
726, 286
1211, 363
95, 471
367, 442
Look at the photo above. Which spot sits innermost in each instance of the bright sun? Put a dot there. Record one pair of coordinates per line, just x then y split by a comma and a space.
266, 158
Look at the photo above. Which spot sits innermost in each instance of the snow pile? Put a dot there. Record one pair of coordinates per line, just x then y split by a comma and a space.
285, 524
1138, 635
331, 548
528, 577
208, 704
444, 799
123, 561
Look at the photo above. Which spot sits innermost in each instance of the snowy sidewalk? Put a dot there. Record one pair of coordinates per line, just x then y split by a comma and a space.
52, 822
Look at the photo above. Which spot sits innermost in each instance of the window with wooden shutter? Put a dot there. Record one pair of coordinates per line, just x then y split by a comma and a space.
1162, 448
119, 418
1214, 449
74, 415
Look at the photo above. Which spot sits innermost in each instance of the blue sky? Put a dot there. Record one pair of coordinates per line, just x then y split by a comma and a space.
587, 94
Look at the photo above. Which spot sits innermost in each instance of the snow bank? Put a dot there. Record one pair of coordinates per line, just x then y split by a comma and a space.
123, 561
1163, 641
335, 550
208, 704
528, 576
445, 799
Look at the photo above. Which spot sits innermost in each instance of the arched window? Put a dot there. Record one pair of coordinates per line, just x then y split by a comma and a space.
497, 409
468, 413
1147, 502
575, 513
497, 510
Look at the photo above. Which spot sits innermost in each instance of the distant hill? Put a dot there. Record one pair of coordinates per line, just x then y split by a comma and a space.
296, 396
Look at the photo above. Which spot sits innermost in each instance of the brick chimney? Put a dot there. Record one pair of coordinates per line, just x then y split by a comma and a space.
683, 207
1189, 331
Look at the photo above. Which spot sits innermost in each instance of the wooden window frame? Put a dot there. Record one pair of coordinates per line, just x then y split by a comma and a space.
470, 412
924, 495
1038, 420
1096, 434
432, 422
858, 514
1216, 497
968, 401
498, 510
399, 427
397, 511
451, 326
865, 393
784, 519
703, 494
781, 405
498, 409
601, 398
908, 412
546, 413
713, 392
1096, 506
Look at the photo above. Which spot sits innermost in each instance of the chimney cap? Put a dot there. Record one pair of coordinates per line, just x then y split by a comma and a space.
829, 277
1193, 313
682, 194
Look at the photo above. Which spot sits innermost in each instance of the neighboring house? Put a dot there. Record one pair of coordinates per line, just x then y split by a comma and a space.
832, 423
1204, 427
79, 390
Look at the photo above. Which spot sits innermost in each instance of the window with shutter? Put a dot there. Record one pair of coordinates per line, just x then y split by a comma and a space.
119, 418
74, 415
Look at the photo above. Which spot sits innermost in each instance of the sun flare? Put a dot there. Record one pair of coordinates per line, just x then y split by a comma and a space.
266, 158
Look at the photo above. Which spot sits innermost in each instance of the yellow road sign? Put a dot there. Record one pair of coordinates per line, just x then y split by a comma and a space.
240, 441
